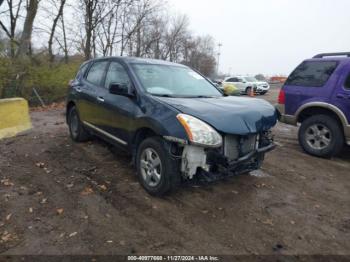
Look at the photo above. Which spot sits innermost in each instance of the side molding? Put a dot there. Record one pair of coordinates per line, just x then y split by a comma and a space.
105, 133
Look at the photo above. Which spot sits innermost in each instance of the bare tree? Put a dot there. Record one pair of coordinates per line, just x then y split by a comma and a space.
26, 37
14, 9
199, 54
53, 27
93, 15
142, 28
176, 37
65, 45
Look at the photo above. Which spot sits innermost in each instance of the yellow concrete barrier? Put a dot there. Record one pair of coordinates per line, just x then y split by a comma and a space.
14, 117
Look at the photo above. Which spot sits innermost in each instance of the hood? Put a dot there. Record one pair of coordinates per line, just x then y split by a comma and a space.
231, 115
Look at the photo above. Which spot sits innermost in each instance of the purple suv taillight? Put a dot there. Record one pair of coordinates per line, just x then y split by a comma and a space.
282, 97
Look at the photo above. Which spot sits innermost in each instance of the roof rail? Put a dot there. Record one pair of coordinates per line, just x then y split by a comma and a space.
332, 54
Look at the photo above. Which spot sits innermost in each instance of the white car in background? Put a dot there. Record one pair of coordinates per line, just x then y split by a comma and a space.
245, 84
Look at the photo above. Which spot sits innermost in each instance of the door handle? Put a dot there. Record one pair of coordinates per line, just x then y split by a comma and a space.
100, 98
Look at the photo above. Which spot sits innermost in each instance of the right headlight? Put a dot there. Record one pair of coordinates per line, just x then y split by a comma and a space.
199, 132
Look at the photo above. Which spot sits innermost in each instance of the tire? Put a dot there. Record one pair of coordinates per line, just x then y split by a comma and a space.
157, 172
76, 129
321, 136
248, 90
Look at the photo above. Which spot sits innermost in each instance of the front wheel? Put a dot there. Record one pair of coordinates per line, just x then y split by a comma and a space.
321, 136
158, 173
248, 90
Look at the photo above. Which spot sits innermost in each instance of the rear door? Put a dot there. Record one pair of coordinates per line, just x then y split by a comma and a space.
341, 97
89, 107
309, 81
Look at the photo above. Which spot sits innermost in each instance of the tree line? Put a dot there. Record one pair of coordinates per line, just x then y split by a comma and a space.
63, 29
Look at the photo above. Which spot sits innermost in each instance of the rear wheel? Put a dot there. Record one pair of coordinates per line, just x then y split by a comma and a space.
321, 136
158, 173
76, 128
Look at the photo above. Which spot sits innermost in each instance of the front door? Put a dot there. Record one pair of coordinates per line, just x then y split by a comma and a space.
118, 110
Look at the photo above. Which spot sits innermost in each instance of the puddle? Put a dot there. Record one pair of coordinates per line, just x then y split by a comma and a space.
259, 173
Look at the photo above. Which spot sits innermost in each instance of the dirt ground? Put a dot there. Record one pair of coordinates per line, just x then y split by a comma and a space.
59, 197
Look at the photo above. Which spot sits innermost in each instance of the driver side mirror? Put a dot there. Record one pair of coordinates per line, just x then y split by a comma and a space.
119, 89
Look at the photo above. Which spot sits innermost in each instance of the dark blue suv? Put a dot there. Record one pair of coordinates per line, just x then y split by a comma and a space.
317, 95
174, 122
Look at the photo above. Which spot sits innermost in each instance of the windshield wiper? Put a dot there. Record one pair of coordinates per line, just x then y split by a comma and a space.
161, 95
202, 96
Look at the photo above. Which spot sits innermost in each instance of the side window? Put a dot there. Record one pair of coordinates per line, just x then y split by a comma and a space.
229, 80
117, 74
312, 73
96, 73
347, 82
237, 80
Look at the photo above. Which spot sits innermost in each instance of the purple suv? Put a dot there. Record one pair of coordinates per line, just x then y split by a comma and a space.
317, 95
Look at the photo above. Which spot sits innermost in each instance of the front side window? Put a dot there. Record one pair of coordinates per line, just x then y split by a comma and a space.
174, 81
116, 74
347, 82
312, 73
96, 73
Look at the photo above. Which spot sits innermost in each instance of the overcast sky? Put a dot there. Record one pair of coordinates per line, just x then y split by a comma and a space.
269, 36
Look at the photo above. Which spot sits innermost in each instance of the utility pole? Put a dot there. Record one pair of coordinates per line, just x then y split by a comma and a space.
218, 62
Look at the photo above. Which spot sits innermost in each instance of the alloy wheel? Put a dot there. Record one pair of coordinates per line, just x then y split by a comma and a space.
151, 167
318, 136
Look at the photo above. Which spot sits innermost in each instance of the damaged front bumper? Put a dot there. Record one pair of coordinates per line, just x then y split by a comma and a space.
237, 155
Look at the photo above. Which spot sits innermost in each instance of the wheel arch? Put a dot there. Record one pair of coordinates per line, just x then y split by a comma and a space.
310, 109
139, 136
70, 104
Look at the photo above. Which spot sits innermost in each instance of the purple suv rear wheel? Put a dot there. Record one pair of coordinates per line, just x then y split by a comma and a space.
321, 135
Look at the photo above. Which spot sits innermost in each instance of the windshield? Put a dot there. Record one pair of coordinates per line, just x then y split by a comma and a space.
250, 79
174, 81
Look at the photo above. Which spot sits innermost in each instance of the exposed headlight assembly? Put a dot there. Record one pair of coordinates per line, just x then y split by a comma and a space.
198, 132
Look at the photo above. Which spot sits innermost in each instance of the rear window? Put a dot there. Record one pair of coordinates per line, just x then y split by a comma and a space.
312, 73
